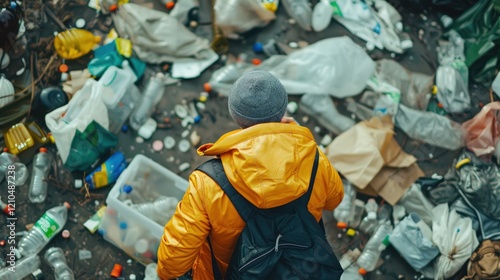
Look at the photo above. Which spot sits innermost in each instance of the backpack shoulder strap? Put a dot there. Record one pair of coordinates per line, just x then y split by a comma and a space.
304, 199
214, 169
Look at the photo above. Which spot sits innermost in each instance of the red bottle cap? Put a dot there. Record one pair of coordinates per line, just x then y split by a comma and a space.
256, 61
113, 8
362, 271
170, 5
65, 233
43, 150
207, 87
67, 205
341, 225
5, 150
63, 68
117, 271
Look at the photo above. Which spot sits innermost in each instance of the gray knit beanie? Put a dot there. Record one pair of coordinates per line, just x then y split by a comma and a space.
257, 97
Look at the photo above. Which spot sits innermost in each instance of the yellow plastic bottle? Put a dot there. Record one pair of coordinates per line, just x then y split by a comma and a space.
75, 43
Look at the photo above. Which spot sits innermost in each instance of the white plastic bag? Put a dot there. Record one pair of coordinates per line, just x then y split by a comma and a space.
335, 66
238, 16
455, 239
6, 88
85, 106
415, 201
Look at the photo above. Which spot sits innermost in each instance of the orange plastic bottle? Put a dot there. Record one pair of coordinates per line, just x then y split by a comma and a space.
75, 43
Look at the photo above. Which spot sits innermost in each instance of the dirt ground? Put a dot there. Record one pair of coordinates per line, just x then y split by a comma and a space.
215, 122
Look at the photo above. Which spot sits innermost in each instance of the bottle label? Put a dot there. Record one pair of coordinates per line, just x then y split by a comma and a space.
47, 226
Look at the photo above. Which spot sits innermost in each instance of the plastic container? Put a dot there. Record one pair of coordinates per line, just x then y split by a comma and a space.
152, 95
359, 209
6, 159
48, 226
159, 211
132, 194
57, 261
18, 139
120, 95
24, 267
370, 221
157, 181
368, 259
345, 209
108, 172
75, 43
41, 168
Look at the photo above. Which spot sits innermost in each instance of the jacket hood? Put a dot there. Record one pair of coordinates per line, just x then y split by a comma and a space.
269, 164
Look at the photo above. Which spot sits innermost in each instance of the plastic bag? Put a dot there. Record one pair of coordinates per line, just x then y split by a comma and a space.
412, 239
238, 16
488, 228
321, 107
483, 131
452, 91
335, 66
6, 88
455, 239
415, 201
429, 128
85, 106
158, 37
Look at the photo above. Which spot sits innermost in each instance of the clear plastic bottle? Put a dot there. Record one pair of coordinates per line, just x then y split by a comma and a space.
6, 159
21, 174
345, 209
48, 226
351, 273
152, 95
159, 211
24, 267
130, 193
368, 259
150, 272
41, 169
56, 259
75, 43
370, 221
359, 209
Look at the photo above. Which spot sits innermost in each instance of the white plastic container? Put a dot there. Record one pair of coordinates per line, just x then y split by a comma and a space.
162, 181
120, 95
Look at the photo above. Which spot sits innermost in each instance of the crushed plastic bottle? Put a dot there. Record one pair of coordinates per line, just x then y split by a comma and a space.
152, 95
368, 259
346, 208
41, 169
159, 211
48, 226
57, 261
75, 43
23, 268
6, 159
369, 222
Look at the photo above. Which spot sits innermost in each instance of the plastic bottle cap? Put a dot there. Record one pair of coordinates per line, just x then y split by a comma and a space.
440, 105
207, 87
341, 225
67, 205
117, 271
434, 90
63, 68
43, 150
123, 225
78, 183
113, 8
170, 5
80, 23
258, 47
372, 215
5, 150
65, 233
256, 61
362, 271
127, 188
157, 145
132, 277
351, 232
124, 128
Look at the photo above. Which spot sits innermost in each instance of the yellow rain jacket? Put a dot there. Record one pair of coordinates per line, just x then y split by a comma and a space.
270, 165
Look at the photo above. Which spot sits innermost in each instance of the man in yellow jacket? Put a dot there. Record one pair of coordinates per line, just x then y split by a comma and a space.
268, 162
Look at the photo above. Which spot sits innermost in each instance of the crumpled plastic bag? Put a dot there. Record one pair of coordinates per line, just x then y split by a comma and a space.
487, 227
414, 201
335, 66
480, 182
455, 239
412, 239
483, 131
239, 16
158, 37
452, 91
430, 128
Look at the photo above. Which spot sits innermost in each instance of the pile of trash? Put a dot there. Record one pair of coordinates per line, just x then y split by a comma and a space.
440, 224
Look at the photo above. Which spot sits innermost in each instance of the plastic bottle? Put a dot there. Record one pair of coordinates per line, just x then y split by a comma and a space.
351, 273
349, 258
434, 105
346, 208
131, 193
48, 226
159, 211
6, 159
359, 209
75, 43
370, 221
41, 169
24, 267
152, 95
373, 248
57, 261
150, 272
21, 173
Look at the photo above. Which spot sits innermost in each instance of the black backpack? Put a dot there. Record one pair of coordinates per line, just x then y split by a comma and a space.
284, 242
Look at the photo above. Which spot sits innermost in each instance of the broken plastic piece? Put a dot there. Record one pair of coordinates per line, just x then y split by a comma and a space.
169, 142
84, 254
147, 129
184, 166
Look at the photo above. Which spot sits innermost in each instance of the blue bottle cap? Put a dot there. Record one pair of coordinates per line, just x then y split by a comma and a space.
127, 188
197, 119
123, 225
101, 231
124, 128
258, 47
